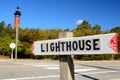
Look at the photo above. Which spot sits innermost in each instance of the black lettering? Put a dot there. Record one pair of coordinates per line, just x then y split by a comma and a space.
88, 46
42, 48
52, 47
57, 46
96, 44
62, 45
74, 45
68, 46
46, 47
81, 44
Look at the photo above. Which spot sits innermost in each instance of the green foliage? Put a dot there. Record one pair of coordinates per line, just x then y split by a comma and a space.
2, 26
85, 29
28, 36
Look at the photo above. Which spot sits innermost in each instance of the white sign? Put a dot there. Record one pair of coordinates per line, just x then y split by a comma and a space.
12, 45
97, 44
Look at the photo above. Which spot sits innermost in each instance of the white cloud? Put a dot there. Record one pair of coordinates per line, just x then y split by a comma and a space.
78, 22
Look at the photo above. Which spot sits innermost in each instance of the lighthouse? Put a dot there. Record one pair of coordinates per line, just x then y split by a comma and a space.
17, 18
16, 26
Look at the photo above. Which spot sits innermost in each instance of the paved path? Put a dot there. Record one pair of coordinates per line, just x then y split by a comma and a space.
49, 70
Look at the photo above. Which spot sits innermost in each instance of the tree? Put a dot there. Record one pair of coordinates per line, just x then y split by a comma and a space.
2, 26
96, 29
83, 29
67, 30
4, 45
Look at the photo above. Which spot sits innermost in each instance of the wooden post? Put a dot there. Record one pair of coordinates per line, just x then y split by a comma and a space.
66, 62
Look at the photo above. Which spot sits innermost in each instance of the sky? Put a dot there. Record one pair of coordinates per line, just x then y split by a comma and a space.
62, 14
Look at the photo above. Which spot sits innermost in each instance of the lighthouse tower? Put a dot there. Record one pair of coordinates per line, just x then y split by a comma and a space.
17, 25
17, 18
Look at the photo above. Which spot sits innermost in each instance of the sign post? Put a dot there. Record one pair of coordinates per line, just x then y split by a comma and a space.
66, 46
12, 46
66, 61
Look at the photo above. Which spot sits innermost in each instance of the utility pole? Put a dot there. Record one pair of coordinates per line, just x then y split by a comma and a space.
17, 25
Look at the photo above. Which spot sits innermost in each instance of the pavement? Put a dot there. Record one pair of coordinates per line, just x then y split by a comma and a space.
49, 70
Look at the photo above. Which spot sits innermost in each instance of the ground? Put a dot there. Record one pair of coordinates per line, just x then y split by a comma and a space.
49, 70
